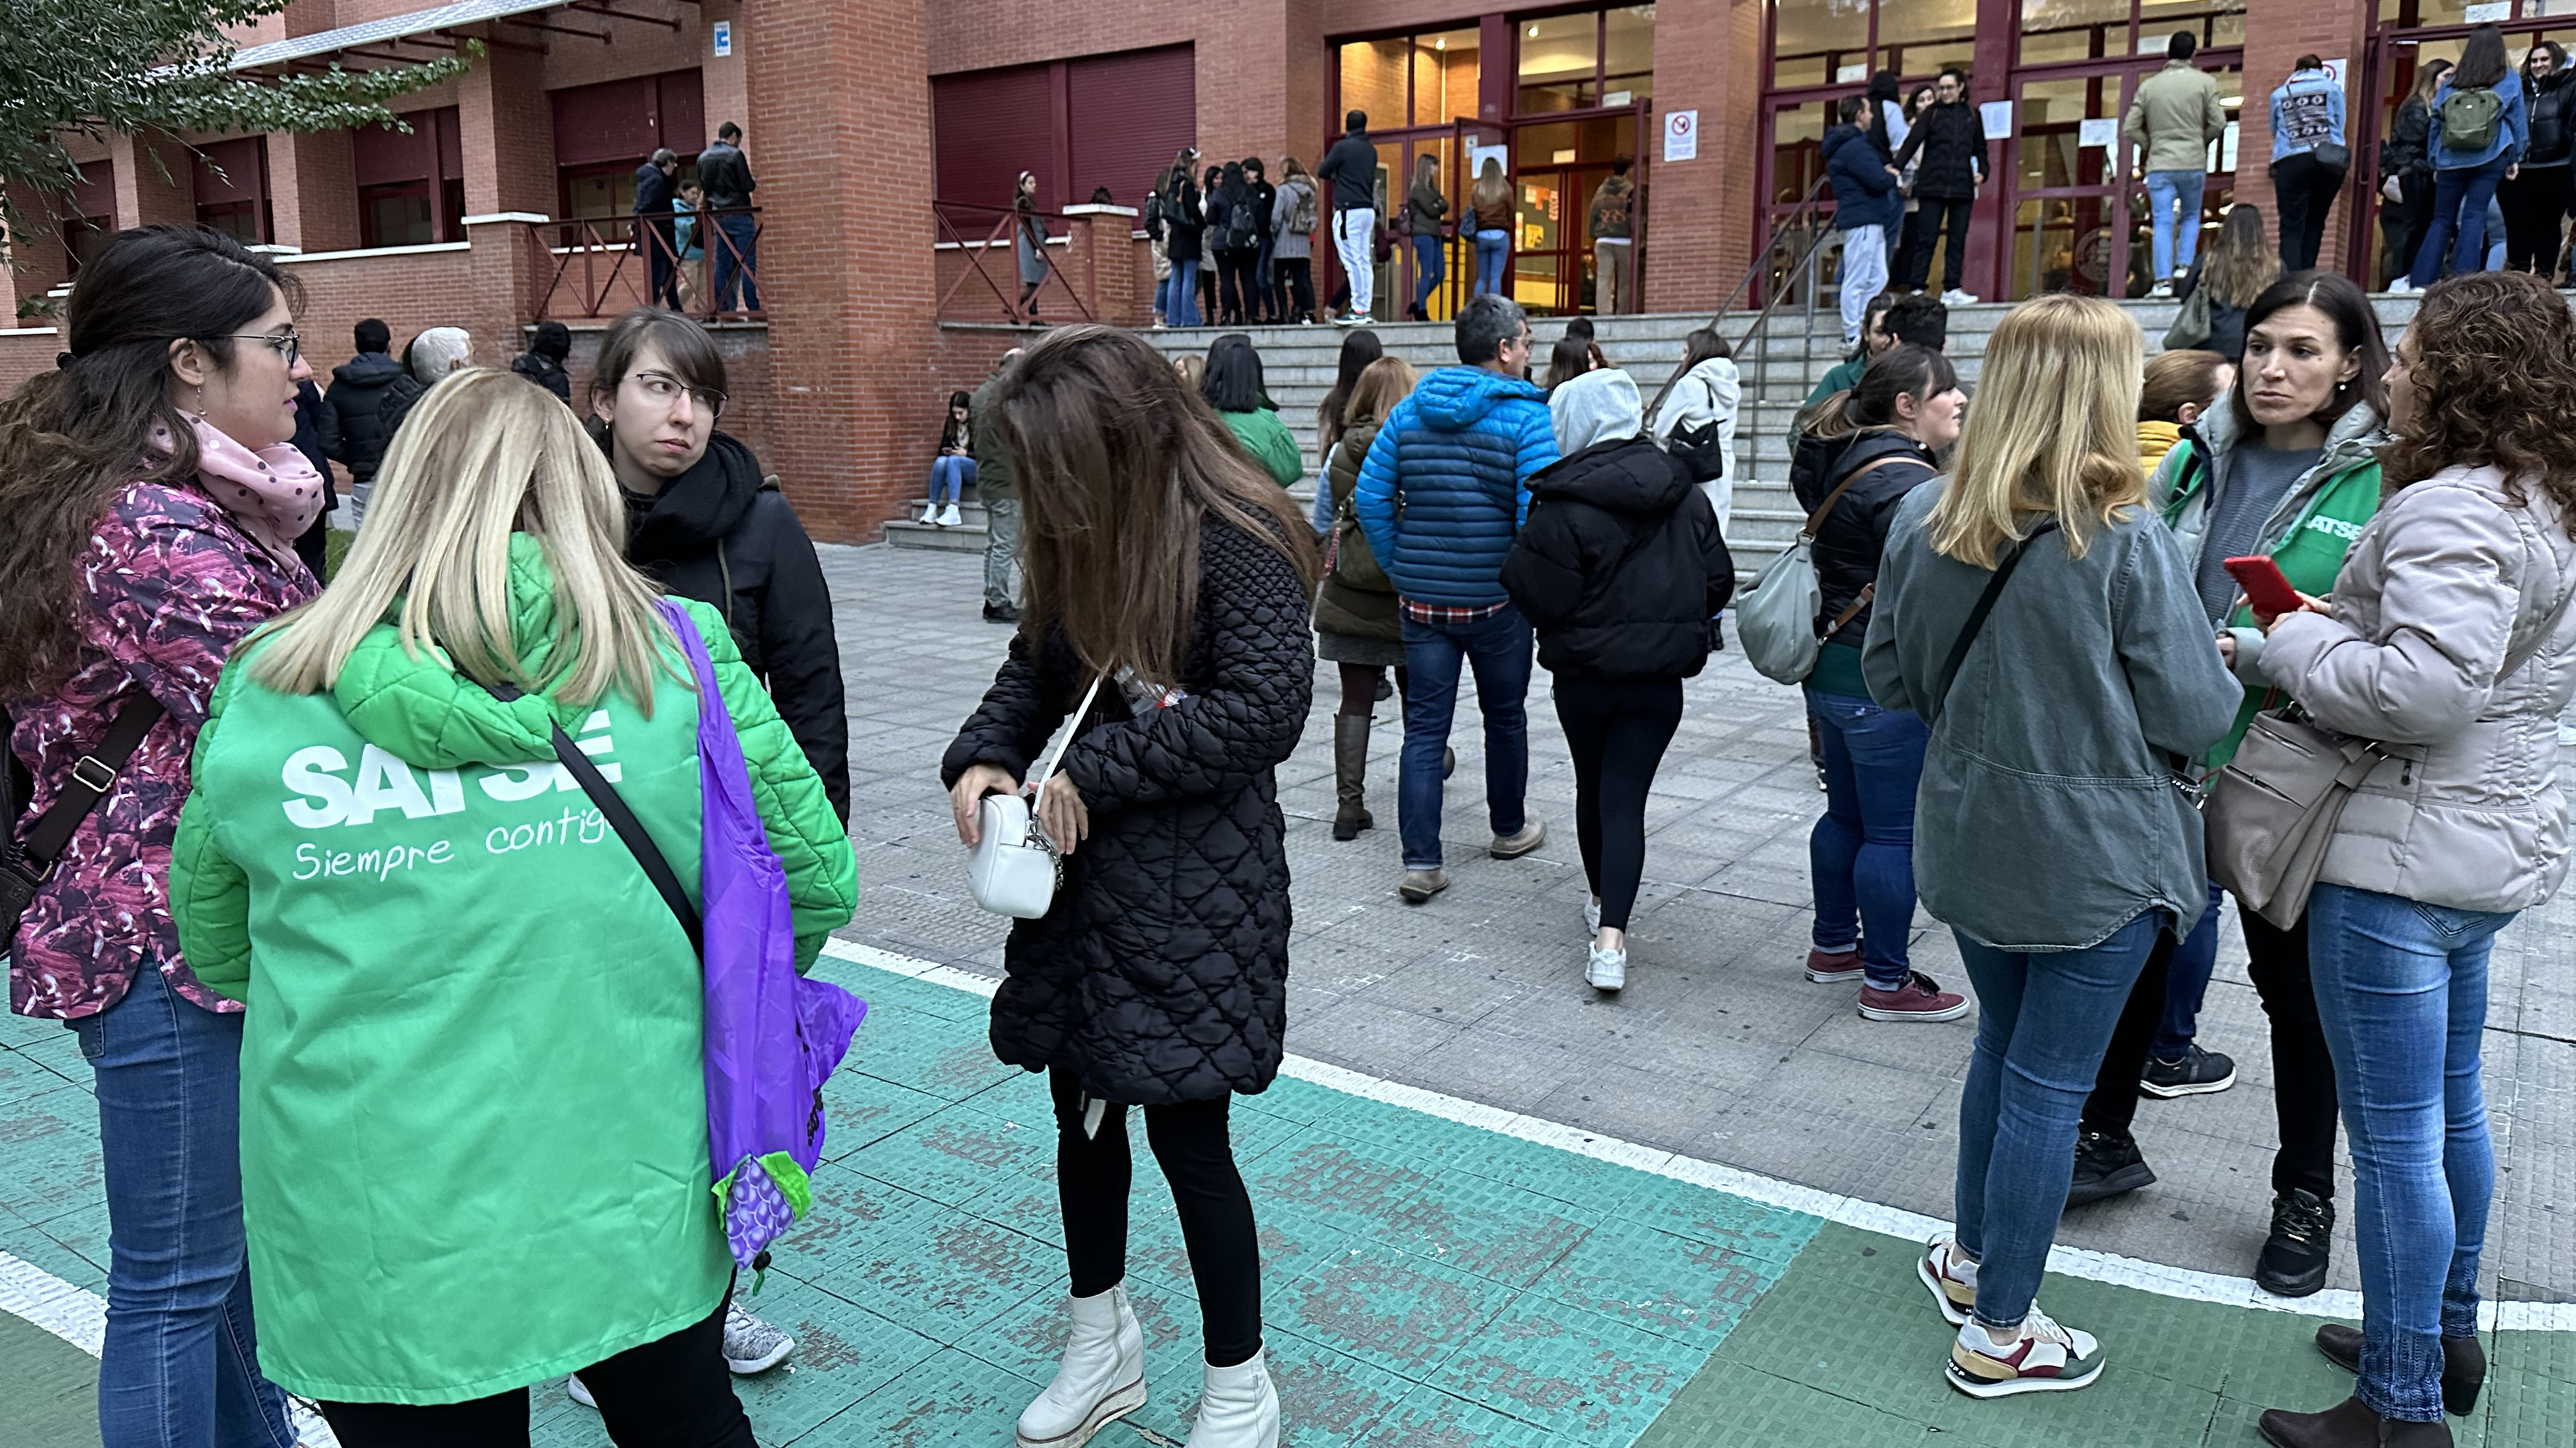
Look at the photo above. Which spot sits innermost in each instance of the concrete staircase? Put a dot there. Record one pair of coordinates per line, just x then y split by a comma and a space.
1779, 367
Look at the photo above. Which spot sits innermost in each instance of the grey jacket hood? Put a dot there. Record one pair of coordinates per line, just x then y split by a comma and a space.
2355, 439
2451, 640
1595, 407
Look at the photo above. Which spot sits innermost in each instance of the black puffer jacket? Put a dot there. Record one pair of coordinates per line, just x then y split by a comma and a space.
1620, 568
724, 535
1951, 140
2549, 98
1161, 973
360, 389
1855, 532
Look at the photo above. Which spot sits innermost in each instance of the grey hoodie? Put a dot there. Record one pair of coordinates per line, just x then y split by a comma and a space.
2051, 811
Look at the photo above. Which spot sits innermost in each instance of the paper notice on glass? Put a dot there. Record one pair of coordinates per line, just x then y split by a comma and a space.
2487, 14
2098, 131
1998, 119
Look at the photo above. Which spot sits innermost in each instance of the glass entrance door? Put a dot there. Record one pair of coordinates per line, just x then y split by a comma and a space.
2413, 34
2080, 217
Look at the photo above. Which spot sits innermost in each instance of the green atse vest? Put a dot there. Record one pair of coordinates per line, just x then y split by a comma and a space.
2310, 554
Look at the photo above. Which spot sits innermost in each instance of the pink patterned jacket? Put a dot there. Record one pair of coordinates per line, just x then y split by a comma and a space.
173, 582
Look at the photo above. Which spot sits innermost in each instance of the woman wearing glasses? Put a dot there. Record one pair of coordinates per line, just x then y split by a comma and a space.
704, 522
150, 499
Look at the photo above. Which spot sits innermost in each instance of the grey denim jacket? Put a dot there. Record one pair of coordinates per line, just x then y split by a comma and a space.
2444, 587
2051, 812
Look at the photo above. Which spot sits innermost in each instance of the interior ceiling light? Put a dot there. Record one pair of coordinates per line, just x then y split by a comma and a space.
1441, 44
1533, 30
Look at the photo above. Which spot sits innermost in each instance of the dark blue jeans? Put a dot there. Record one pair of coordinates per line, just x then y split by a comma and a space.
2460, 198
2187, 981
180, 1366
2402, 994
1861, 854
2043, 1021
1497, 647
739, 262
1429, 269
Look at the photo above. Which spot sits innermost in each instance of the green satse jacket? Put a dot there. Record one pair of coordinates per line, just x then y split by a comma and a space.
1268, 442
2325, 513
474, 1132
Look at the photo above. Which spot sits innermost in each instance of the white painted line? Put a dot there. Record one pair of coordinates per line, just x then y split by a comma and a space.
2156, 1277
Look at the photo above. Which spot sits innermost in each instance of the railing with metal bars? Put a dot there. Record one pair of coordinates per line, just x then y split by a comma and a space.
1787, 265
591, 267
958, 222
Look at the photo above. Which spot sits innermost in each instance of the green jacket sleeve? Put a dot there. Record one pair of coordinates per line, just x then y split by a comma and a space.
1269, 442
209, 894
813, 845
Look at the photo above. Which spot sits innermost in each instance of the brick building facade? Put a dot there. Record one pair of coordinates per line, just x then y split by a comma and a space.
884, 133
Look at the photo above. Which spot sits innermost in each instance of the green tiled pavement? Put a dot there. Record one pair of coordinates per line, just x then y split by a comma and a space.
1426, 1284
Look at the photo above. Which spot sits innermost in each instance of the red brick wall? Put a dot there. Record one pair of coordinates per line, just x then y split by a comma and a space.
24, 353
748, 391
409, 290
2277, 33
1699, 214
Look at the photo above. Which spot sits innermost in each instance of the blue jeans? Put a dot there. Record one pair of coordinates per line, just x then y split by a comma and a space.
2460, 199
2043, 1022
180, 1366
2186, 982
1492, 247
1429, 269
951, 475
1498, 648
739, 262
1181, 294
2402, 994
2173, 200
1861, 854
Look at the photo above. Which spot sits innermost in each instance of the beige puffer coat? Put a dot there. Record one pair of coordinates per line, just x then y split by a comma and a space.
2449, 584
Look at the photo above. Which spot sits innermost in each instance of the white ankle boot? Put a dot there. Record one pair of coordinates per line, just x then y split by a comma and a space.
1102, 1377
1238, 1408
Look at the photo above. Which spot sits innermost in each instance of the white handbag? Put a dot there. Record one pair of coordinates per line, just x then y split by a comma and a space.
1015, 869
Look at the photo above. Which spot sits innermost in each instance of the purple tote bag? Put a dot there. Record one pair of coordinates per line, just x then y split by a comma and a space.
772, 1036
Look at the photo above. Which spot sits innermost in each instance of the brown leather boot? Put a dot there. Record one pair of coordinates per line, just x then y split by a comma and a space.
2464, 1364
2348, 1424
1350, 772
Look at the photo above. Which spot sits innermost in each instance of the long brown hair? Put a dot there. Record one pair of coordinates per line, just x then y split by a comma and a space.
1118, 465
72, 438
1383, 383
2240, 262
2494, 381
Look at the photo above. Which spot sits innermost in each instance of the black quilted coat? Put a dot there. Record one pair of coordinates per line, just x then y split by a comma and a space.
1161, 974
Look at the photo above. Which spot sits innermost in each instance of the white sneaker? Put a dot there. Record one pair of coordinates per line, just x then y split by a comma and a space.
1238, 1408
929, 513
1606, 970
752, 1345
1101, 1378
1957, 298
574, 1390
950, 519
1592, 918
2161, 291
1951, 1276
2046, 1358
2404, 287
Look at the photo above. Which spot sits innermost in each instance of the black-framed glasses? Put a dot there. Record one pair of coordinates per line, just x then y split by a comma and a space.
663, 389
287, 344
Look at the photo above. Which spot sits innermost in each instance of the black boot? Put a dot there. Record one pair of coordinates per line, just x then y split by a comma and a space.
2106, 1166
1350, 771
2293, 1263
2464, 1364
2348, 1424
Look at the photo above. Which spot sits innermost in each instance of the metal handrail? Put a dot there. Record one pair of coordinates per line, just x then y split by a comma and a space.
1003, 228
587, 239
1762, 253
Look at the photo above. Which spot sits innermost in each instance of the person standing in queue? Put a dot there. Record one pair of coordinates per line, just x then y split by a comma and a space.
1157, 978
2448, 641
2036, 614
154, 499
1621, 573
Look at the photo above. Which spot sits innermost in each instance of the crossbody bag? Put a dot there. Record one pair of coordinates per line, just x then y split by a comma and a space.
27, 861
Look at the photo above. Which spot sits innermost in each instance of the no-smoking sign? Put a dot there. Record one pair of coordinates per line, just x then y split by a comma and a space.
1681, 136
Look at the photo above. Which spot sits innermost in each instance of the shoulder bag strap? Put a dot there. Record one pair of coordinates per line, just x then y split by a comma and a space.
1063, 738
1976, 623
1816, 519
612, 807
93, 775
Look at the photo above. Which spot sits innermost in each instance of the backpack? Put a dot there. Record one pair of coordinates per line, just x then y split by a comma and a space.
2470, 116
1154, 214
1301, 219
1242, 227
1614, 208
1775, 620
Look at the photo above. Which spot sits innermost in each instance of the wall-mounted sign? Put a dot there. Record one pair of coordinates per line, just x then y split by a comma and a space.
723, 37
1681, 136
1998, 118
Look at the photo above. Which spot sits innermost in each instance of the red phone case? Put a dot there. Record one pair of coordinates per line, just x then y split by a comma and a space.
2265, 588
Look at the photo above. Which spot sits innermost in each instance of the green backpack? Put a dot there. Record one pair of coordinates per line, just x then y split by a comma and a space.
2469, 118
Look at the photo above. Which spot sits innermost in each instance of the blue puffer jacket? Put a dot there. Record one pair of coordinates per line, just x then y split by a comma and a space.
1458, 453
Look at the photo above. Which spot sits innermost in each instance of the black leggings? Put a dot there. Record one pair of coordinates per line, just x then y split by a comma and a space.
1192, 1146
1237, 283
1359, 689
2303, 1084
674, 1392
1292, 287
1617, 732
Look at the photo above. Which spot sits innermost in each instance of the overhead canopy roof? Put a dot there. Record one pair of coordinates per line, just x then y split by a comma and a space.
380, 39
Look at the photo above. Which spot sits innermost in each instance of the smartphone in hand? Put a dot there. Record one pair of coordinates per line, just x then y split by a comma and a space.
2265, 588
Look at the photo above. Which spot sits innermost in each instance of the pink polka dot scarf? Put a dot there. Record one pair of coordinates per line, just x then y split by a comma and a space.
274, 494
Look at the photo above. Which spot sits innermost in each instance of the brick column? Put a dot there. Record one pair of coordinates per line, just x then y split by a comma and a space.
505, 129
313, 191
1099, 263
501, 297
2277, 33
154, 184
1700, 214
846, 268
42, 263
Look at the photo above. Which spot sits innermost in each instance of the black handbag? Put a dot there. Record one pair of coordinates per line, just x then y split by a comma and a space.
27, 861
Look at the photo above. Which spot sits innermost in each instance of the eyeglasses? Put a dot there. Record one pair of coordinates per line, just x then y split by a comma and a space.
287, 344
663, 389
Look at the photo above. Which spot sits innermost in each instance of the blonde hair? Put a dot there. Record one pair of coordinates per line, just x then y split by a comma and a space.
2053, 431
1383, 383
483, 456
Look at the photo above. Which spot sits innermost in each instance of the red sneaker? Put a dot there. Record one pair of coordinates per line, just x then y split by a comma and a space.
1835, 969
1919, 999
